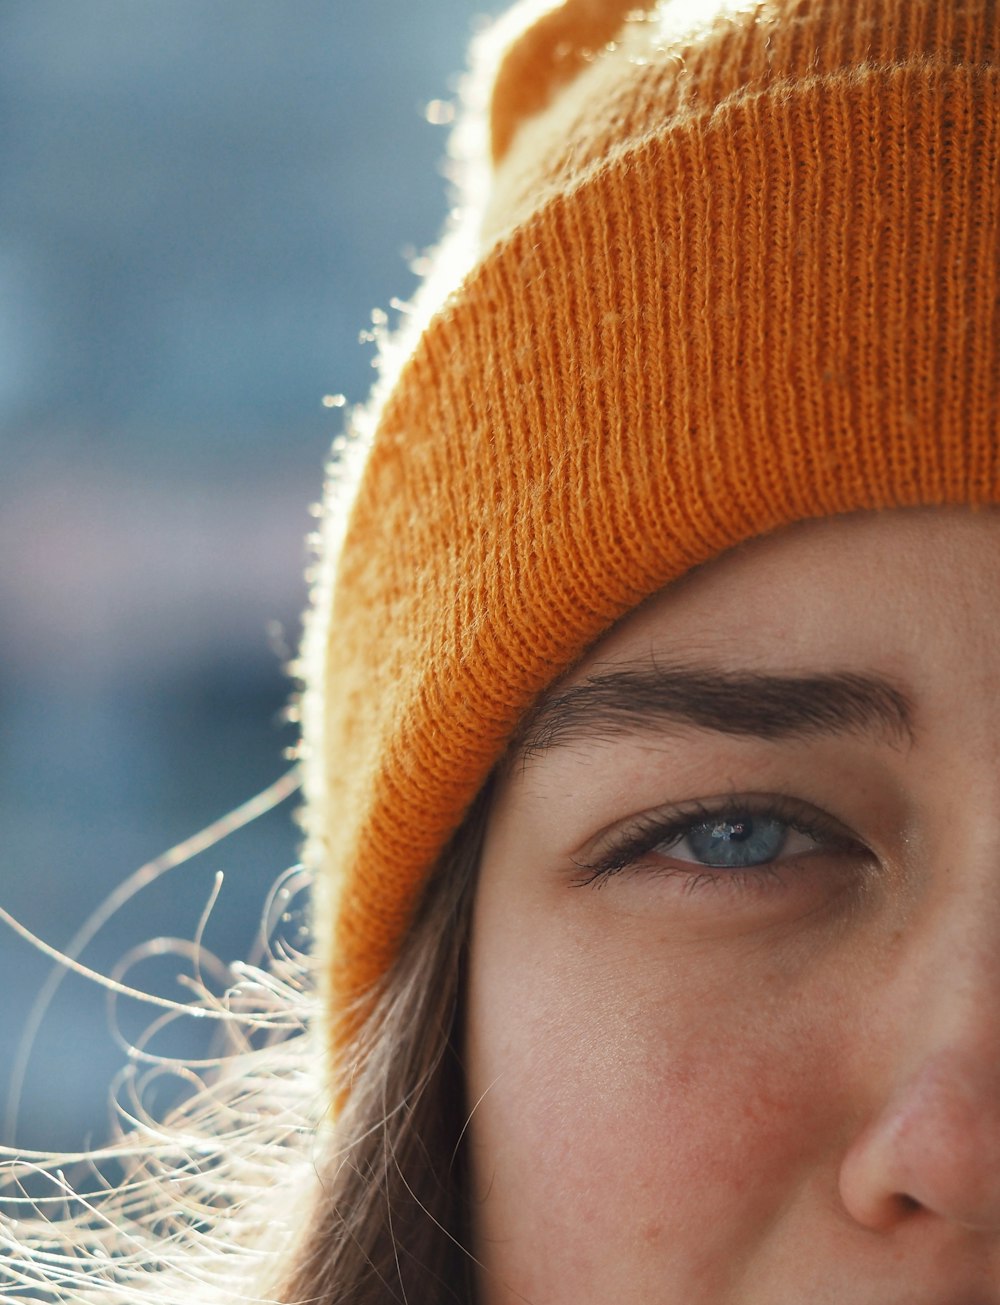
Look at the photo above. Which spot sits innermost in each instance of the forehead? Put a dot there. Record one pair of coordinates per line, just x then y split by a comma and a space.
845, 591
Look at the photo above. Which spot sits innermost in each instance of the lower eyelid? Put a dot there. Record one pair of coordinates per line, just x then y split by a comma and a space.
830, 868
816, 870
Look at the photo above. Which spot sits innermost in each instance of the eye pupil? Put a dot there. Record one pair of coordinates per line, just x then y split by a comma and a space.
741, 840
733, 831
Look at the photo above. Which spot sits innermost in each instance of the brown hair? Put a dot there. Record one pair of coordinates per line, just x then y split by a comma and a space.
390, 1218
246, 1191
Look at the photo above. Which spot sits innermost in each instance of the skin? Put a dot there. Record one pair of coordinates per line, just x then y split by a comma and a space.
694, 1088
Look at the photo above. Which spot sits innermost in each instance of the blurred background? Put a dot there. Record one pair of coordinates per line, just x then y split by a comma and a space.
202, 204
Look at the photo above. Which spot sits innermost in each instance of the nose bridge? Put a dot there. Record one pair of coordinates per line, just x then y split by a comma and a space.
950, 966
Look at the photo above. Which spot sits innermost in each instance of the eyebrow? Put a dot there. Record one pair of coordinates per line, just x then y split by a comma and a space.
645, 700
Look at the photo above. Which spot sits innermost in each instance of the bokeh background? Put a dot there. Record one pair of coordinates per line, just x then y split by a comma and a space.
202, 204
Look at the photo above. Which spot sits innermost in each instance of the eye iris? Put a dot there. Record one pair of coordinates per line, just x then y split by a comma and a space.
740, 841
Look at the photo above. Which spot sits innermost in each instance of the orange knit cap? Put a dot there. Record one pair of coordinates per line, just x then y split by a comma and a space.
738, 266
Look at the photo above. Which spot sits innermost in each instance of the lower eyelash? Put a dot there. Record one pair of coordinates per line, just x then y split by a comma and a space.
694, 878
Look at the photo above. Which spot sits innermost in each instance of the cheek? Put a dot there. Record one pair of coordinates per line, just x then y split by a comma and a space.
655, 1104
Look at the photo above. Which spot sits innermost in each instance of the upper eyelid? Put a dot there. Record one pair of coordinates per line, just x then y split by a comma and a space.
661, 816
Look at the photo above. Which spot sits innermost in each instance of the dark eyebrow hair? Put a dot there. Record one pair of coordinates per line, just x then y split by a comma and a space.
750, 703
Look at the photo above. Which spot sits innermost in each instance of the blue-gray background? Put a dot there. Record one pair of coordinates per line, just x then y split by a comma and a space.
202, 202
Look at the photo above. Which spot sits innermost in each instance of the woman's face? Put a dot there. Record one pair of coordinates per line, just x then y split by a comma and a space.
734, 1010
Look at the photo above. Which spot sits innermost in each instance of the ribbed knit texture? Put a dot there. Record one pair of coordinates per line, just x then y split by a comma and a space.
730, 280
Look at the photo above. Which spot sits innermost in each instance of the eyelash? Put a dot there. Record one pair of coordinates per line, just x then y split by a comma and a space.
647, 832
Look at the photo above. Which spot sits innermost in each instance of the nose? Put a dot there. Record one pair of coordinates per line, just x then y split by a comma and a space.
933, 1147
931, 1141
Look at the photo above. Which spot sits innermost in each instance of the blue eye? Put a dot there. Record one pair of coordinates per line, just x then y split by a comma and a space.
734, 841
737, 836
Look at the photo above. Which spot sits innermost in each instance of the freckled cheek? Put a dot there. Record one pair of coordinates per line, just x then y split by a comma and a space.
619, 1102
